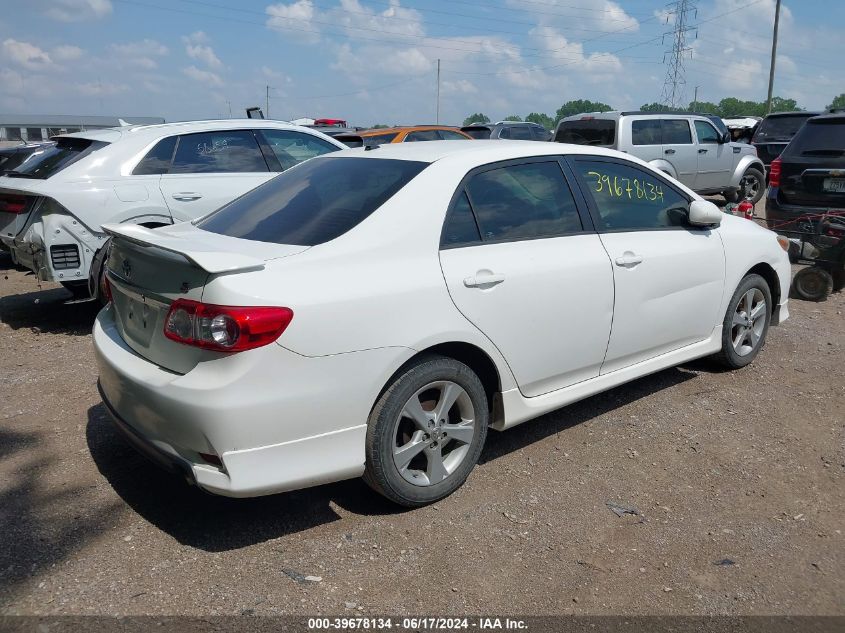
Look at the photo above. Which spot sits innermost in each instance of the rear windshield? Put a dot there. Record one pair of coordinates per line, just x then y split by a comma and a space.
314, 202
819, 138
600, 132
51, 159
477, 132
779, 128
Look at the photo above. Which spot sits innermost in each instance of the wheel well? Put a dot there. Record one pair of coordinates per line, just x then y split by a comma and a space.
476, 359
768, 273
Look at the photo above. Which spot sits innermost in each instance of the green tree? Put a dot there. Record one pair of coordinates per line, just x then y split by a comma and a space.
838, 102
478, 117
542, 119
379, 126
580, 105
704, 107
653, 107
779, 104
513, 117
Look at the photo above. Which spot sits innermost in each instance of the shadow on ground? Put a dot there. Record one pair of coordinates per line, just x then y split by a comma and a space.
50, 311
214, 523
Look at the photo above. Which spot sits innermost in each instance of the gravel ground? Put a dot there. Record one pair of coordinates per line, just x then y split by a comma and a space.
737, 478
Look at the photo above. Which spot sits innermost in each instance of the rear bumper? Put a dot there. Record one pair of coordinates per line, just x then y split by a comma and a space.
277, 420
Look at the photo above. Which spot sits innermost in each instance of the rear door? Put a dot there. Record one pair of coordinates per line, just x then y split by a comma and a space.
715, 159
668, 276
647, 138
679, 150
210, 169
522, 263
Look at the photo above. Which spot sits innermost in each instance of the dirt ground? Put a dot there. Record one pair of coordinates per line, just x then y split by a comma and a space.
737, 476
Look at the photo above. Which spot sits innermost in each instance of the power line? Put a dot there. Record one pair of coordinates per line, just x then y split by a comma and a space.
673, 86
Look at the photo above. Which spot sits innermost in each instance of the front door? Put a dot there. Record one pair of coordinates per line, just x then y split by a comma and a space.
521, 265
668, 275
210, 169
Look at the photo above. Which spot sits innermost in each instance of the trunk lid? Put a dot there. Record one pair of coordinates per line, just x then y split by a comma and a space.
150, 268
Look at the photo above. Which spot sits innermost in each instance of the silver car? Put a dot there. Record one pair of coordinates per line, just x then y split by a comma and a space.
687, 147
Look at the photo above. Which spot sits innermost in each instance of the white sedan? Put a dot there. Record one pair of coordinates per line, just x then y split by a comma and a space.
373, 312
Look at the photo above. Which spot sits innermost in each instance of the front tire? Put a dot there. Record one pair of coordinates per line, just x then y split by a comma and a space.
746, 322
813, 283
426, 432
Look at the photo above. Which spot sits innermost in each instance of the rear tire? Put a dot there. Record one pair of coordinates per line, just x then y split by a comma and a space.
426, 432
752, 187
746, 323
813, 283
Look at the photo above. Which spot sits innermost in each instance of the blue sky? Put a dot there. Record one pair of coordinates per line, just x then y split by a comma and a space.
375, 61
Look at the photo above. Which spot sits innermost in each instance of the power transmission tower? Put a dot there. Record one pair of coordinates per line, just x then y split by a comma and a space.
673, 87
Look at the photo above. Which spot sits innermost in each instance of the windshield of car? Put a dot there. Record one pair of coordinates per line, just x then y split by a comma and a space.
49, 160
313, 202
779, 128
819, 138
601, 132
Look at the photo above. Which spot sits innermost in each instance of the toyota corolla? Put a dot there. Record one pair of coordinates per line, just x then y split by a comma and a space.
373, 313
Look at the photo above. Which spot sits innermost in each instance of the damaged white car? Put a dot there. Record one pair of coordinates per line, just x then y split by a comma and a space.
53, 205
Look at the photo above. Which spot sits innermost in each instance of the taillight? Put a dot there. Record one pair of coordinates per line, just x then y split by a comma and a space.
12, 204
105, 289
774, 173
224, 328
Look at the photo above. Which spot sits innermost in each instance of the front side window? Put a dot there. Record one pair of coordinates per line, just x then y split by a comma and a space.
314, 203
676, 132
706, 133
646, 132
291, 148
523, 201
628, 198
157, 160
422, 135
223, 151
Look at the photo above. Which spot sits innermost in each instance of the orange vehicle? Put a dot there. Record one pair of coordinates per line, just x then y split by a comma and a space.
403, 134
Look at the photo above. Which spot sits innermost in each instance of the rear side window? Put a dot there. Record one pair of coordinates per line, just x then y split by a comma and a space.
646, 132
451, 135
51, 159
824, 137
314, 203
676, 132
157, 160
291, 148
628, 198
223, 151
422, 135
523, 201
539, 133
600, 132
518, 132
461, 228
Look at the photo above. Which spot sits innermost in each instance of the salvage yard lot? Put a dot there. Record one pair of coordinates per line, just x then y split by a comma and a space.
737, 478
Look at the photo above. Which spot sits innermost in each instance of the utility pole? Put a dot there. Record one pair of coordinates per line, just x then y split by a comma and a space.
774, 55
437, 111
229, 104
673, 86
695, 100
267, 103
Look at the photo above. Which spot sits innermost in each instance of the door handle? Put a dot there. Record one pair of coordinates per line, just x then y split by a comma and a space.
483, 279
629, 260
186, 196
702, 151
669, 151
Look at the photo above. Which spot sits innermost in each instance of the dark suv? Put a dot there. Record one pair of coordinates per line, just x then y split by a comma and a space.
774, 133
515, 130
808, 178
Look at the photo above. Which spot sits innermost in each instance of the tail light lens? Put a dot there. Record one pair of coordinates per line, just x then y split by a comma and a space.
224, 328
774, 173
105, 289
12, 204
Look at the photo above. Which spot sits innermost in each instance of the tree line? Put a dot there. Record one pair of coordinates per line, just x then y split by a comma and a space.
729, 107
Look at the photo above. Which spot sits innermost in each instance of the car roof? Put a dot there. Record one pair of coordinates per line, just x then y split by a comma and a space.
433, 151
110, 135
824, 118
796, 113
405, 128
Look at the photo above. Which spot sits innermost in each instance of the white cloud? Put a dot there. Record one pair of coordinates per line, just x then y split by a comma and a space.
196, 47
27, 55
67, 53
100, 89
76, 10
140, 53
203, 76
294, 20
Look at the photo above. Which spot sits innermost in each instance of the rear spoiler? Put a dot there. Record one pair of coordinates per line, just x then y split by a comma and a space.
206, 256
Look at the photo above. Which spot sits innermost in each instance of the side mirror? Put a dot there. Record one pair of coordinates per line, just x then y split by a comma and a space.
704, 213
726, 138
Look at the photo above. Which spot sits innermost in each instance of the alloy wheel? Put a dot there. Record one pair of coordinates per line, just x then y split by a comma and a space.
433, 433
749, 322
750, 186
